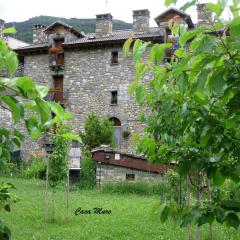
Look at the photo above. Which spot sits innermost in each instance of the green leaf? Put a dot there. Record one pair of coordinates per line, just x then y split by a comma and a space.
169, 2
216, 81
140, 93
44, 109
15, 106
16, 141
231, 205
188, 35
175, 29
10, 30
138, 49
182, 83
216, 8
233, 220
27, 86
205, 136
126, 46
11, 62
234, 27
71, 137
220, 214
158, 51
163, 212
188, 5
32, 125
200, 98
218, 178
18, 134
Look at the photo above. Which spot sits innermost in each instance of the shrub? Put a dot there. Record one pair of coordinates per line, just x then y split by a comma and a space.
140, 188
88, 172
8, 168
35, 168
97, 132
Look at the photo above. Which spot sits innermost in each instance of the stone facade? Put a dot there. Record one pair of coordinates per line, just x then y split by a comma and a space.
39, 35
141, 20
204, 15
103, 25
92, 68
109, 173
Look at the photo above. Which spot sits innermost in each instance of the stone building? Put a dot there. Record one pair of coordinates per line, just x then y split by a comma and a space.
116, 166
88, 73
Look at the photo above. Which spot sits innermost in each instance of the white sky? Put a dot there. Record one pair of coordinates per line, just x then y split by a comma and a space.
20, 10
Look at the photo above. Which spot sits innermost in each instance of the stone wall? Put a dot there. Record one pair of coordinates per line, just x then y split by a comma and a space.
110, 173
89, 78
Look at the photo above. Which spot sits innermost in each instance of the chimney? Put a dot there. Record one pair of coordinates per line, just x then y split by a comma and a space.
103, 25
1, 27
141, 20
39, 36
204, 15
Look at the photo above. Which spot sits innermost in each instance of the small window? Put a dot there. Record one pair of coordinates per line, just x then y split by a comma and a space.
114, 97
130, 177
114, 58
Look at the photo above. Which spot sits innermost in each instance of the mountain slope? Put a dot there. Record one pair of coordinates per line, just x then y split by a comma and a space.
24, 29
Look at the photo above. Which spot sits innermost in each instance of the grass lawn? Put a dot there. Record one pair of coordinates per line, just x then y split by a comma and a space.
130, 217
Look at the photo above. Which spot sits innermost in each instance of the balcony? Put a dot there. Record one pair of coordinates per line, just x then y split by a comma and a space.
56, 62
58, 96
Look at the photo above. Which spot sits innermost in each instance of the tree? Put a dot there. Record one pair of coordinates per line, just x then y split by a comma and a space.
24, 99
193, 104
58, 160
97, 132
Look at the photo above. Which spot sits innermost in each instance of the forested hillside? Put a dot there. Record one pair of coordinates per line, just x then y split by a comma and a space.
24, 29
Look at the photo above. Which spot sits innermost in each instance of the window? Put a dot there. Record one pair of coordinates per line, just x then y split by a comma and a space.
130, 177
118, 131
114, 58
114, 97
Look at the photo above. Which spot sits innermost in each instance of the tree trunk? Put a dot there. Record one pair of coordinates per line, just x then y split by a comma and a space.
188, 228
53, 205
210, 199
46, 193
68, 196
198, 233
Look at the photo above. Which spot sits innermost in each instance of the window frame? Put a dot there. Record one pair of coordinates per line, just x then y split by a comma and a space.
114, 57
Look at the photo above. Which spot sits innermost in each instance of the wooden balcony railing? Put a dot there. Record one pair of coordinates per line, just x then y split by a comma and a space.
55, 95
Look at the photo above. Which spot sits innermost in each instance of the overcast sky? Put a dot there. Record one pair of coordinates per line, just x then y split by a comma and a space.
20, 10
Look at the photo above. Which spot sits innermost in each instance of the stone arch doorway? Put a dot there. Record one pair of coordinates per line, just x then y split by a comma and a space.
118, 131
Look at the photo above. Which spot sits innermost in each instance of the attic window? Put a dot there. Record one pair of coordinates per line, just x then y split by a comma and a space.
114, 57
114, 97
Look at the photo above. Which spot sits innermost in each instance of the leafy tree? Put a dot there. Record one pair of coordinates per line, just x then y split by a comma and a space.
23, 98
193, 104
97, 132
58, 159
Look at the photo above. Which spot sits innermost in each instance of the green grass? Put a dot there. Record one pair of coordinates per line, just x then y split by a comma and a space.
130, 218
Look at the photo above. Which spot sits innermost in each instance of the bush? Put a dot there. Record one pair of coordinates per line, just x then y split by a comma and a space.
35, 168
97, 132
8, 168
88, 172
140, 188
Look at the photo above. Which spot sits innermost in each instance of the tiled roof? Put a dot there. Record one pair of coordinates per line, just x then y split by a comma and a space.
116, 35
80, 34
90, 38
14, 43
33, 46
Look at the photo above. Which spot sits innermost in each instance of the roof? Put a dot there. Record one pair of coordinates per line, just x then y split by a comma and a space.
107, 155
60, 23
91, 39
14, 43
116, 35
182, 14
